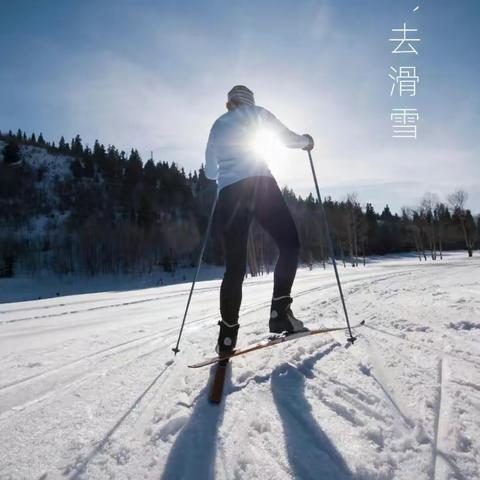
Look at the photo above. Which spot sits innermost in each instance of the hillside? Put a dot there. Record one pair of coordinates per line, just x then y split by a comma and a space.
48, 170
71, 209
59, 211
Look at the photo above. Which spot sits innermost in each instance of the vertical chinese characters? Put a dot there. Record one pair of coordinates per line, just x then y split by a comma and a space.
405, 81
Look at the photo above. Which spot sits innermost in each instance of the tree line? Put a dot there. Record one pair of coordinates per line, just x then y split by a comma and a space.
116, 213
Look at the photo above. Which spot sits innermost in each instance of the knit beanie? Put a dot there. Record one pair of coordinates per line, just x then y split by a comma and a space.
241, 94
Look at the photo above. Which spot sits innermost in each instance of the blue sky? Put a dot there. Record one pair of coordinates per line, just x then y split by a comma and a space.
154, 75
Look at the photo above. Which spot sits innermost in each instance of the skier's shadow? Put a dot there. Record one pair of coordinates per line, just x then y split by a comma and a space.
311, 454
193, 454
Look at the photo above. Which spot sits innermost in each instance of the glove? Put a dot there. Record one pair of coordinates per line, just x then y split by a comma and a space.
311, 143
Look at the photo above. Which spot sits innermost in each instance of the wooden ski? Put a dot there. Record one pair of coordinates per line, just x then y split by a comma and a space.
216, 391
270, 343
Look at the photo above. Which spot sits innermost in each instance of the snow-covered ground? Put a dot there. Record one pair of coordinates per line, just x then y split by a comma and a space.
89, 387
46, 285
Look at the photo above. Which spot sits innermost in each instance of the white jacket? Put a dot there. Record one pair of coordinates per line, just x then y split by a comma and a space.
230, 155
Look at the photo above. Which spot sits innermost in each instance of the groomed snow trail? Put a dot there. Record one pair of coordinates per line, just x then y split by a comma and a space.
89, 388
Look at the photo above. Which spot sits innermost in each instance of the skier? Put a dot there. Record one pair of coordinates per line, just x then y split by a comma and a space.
248, 190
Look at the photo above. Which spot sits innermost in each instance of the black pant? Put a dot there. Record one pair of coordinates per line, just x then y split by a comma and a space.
238, 204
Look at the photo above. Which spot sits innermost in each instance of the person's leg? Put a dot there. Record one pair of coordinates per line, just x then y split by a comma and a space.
273, 214
235, 243
235, 219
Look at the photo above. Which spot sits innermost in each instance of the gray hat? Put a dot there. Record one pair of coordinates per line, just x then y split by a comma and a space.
241, 94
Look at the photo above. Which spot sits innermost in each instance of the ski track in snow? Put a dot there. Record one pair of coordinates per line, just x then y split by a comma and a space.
89, 387
438, 414
141, 340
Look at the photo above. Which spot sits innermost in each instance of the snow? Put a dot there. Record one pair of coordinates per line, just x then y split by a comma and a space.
44, 285
89, 387
54, 165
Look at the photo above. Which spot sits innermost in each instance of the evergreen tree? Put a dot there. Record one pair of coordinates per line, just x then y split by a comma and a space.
11, 152
386, 214
77, 147
470, 226
77, 169
87, 157
62, 144
99, 156
134, 169
371, 226
370, 213
477, 235
113, 168
150, 174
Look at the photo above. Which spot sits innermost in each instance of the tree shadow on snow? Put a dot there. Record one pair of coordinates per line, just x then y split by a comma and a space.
310, 452
192, 456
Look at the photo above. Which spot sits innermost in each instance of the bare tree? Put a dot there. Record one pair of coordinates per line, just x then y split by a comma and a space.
457, 201
362, 234
429, 220
442, 218
352, 226
415, 228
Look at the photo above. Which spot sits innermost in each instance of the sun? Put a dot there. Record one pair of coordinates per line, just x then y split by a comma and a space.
268, 146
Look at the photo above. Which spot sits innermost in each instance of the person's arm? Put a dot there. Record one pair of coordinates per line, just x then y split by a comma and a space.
289, 138
211, 164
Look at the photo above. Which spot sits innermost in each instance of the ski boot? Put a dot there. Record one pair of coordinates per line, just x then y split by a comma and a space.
282, 318
227, 338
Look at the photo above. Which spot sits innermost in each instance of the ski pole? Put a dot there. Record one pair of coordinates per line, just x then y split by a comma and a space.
199, 263
330, 247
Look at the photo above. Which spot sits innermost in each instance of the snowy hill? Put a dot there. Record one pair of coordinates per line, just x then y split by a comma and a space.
61, 207
89, 388
49, 169
54, 165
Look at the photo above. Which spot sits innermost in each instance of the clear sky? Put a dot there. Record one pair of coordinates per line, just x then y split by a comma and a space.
154, 75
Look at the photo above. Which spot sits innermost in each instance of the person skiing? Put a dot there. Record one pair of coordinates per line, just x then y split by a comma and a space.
247, 190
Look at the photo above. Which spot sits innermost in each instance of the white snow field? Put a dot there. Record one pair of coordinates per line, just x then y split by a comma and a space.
89, 388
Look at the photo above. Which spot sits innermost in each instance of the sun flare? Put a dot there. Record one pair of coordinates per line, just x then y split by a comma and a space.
268, 146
